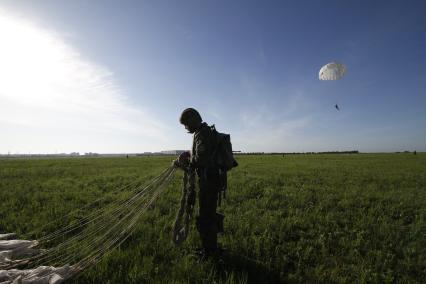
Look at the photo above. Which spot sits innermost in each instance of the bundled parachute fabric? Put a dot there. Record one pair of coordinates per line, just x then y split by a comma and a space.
7, 236
10, 249
16, 244
85, 238
187, 203
13, 249
39, 275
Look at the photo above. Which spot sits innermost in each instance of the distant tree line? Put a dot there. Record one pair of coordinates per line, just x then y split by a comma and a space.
297, 153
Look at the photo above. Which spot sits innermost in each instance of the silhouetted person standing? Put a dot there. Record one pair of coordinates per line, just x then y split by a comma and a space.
208, 221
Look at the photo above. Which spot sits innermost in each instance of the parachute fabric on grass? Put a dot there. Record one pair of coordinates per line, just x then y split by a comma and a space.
7, 236
332, 71
72, 248
39, 275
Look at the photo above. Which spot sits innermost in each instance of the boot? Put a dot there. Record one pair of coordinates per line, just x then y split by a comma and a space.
209, 243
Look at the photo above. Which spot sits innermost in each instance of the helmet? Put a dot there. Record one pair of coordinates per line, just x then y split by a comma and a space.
190, 117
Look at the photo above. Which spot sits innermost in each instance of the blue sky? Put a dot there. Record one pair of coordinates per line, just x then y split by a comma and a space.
113, 76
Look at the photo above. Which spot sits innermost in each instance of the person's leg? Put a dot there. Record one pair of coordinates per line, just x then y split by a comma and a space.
206, 221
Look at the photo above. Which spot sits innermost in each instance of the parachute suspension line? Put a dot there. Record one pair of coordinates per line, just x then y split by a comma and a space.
71, 227
81, 236
114, 240
75, 270
88, 218
116, 225
83, 242
72, 242
118, 189
126, 232
112, 207
187, 203
330, 72
94, 236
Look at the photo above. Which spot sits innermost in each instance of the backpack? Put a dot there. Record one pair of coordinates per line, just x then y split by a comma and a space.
223, 157
222, 154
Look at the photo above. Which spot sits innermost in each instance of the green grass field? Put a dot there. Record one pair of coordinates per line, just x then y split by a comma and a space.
293, 219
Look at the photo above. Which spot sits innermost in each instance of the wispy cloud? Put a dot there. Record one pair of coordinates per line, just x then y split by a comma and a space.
264, 130
273, 117
50, 92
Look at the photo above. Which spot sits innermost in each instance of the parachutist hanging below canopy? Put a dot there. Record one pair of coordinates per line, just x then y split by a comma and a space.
330, 72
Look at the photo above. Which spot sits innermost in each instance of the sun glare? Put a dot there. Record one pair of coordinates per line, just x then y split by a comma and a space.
30, 60
48, 88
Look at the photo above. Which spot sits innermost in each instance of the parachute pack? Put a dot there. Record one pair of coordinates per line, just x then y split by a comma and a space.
223, 157
223, 154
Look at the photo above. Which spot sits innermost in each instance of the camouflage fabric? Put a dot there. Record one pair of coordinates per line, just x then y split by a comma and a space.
202, 147
209, 183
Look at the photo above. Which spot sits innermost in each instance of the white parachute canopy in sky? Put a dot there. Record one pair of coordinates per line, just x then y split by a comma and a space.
332, 71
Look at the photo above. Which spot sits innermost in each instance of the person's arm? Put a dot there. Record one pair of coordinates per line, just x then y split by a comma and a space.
200, 156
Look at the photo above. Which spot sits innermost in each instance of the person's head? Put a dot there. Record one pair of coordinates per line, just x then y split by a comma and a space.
191, 119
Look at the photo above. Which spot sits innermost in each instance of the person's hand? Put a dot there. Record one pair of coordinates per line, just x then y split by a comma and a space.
175, 163
183, 159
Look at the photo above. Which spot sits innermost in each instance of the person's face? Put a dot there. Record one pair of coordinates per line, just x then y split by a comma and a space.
190, 128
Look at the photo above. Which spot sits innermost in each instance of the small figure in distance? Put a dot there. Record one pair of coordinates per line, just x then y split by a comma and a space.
208, 222
415, 152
